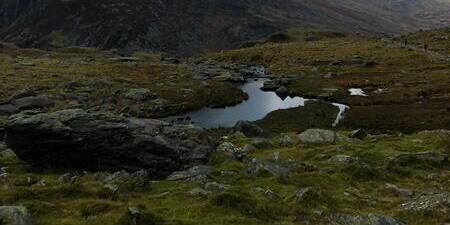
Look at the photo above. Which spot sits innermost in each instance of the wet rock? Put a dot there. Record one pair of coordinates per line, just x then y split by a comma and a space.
319, 136
359, 134
282, 91
254, 71
270, 85
123, 181
410, 158
196, 173
14, 215
232, 150
432, 202
400, 191
98, 141
140, 94
370, 219
248, 128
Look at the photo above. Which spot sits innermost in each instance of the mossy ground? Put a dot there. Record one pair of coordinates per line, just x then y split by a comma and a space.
338, 187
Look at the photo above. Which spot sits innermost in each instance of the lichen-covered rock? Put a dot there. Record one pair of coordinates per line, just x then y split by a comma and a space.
78, 139
320, 136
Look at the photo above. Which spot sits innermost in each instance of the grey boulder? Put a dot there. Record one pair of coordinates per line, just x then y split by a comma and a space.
106, 142
14, 215
320, 136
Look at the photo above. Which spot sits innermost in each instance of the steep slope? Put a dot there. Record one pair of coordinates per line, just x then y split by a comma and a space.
191, 26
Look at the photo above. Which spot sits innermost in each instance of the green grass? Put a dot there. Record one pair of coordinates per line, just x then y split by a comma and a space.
347, 188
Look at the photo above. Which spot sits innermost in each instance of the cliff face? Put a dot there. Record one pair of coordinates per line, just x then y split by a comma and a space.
190, 26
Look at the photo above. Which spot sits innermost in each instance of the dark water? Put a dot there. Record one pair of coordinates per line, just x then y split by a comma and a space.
259, 104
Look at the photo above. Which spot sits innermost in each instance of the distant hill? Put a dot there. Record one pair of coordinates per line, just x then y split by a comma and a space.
198, 25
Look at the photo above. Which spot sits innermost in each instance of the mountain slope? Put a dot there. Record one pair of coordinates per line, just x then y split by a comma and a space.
191, 26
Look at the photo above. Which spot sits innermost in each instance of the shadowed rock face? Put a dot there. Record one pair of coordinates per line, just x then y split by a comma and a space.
192, 26
77, 139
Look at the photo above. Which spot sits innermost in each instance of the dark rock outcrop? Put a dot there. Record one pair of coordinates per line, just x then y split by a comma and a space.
186, 26
78, 139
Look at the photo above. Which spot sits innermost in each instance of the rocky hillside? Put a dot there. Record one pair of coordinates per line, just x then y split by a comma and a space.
192, 26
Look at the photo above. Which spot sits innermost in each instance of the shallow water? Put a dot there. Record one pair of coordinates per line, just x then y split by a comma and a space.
258, 105
357, 92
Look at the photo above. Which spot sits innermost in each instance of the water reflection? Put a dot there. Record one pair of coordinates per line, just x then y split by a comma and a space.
258, 105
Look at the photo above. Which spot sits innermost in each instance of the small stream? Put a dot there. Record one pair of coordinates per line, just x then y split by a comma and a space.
259, 104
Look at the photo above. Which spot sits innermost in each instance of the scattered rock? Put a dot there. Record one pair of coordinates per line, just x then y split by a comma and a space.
359, 134
214, 186
69, 178
14, 215
125, 182
140, 94
232, 150
77, 139
410, 158
267, 192
199, 192
344, 159
196, 173
370, 219
400, 191
256, 166
248, 128
434, 202
286, 141
301, 193
319, 136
